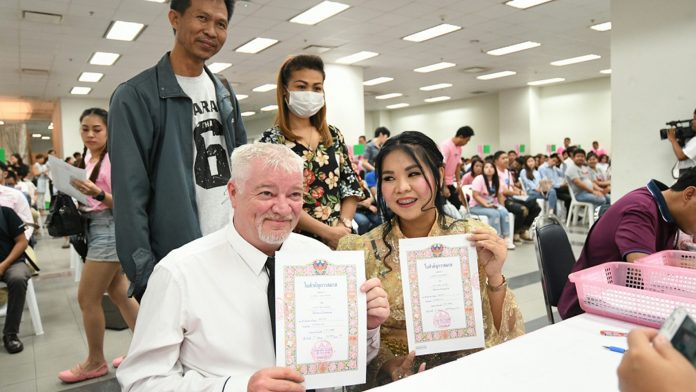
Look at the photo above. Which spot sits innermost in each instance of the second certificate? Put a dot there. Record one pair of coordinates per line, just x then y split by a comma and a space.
442, 297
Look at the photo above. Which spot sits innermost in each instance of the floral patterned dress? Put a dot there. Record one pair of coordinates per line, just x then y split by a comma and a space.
328, 175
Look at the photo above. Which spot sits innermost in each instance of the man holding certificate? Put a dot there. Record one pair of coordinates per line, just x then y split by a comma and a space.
447, 293
207, 320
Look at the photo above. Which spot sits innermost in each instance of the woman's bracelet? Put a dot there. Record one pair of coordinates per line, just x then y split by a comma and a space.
501, 286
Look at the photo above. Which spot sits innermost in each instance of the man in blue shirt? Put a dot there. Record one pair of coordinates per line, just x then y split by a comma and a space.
551, 171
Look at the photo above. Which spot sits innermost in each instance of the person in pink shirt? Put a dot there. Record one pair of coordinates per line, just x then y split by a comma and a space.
451, 150
102, 270
488, 200
597, 149
566, 144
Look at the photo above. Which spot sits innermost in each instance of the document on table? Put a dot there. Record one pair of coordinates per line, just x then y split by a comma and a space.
442, 297
62, 173
321, 316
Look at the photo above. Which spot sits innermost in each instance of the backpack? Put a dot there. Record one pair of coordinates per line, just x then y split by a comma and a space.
64, 219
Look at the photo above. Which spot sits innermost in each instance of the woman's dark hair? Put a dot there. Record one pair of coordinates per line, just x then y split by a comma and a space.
529, 172
19, 159
495, 180
591, 154
474, 161
101, 113
424, 152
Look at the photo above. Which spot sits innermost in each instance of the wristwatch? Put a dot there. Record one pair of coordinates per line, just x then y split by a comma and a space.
101, 196
347, 223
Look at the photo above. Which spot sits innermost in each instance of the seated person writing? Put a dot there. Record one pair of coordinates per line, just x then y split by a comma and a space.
205, 322
410, 175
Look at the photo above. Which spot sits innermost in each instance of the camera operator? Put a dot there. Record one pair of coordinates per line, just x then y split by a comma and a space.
687, 154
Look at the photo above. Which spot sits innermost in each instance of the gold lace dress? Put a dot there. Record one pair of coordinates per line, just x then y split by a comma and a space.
381, 263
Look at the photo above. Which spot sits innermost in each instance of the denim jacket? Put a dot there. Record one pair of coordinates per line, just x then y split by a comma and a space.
151, 149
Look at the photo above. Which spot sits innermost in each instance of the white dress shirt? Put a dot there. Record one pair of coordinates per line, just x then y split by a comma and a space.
203, 323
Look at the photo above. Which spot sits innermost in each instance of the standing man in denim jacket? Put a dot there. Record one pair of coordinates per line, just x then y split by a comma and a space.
172, 129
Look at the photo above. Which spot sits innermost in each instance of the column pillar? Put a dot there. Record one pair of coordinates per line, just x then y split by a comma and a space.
345, 102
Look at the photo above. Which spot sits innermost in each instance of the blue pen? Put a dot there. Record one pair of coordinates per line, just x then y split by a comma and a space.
615, 349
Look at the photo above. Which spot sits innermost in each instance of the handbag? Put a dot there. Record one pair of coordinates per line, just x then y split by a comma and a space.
79, 243
64, 219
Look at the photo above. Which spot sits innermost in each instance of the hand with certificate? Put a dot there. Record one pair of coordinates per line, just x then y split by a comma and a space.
276, 379
377, 303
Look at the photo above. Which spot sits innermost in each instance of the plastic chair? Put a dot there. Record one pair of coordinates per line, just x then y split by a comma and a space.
555, 258
578, 209
33, 308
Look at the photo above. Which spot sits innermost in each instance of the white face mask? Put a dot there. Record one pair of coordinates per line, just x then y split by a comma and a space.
305, 104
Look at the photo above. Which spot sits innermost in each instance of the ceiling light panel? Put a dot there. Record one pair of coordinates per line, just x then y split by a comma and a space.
124, 31
436, 86
437, 99
376, 81
434, 67
388, 96
524, 4
265, 87
92, 77
545, 81
320, 12
356, 57
269, 108
241, 97
218, 67
496, 75
606, 26
397, 106
514, 48
256, 45
104, 58
605, 71
35, 135
248, 114
45, 138
575, 60
80, 90
432, 32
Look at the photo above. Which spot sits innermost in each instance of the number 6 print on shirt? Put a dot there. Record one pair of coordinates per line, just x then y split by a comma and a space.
211, 167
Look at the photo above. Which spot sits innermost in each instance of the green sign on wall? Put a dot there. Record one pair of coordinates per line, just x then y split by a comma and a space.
486, 148
521, 148
2, 155
358, 149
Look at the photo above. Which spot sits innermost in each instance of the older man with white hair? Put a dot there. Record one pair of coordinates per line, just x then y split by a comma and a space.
205, 323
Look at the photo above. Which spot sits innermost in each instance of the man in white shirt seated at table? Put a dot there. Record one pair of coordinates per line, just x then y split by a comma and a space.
204, 322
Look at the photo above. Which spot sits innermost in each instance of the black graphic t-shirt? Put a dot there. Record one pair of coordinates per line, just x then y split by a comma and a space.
211, 161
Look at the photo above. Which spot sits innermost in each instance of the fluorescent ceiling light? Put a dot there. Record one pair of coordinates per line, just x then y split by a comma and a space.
50, 126
606, 71
579, 59
524, 4
45, 138
80, 90
545, 81
436, 86
434, 67
356, 57
256, 45
319, 12
157, 1
387, 96
437, 99
241, 97
247, 114
432, 32
218, 67
513, 48
265, 87
124, 31
606, 26
36, 135
2, 122
397, 106
269, 108
90, 77
496, 75
104, 58
376, 81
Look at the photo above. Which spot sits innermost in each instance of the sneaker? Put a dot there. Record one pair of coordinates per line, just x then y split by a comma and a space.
510, 246
78, 374
525, 236
12, 343
516, 238
117, 361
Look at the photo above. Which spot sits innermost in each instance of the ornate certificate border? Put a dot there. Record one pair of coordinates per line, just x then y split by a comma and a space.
435, 251
320, 267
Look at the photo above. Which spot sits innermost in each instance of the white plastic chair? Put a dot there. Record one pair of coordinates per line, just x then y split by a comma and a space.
33, 308
578, 209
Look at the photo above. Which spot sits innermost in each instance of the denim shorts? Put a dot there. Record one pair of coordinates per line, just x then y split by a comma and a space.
101, 237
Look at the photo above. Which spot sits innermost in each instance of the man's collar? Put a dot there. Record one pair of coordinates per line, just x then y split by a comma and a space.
655, 188
253, 257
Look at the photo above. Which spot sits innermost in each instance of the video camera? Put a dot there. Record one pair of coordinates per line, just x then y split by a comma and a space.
683, 130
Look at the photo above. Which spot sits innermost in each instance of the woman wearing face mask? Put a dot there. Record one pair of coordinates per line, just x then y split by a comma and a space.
332, 188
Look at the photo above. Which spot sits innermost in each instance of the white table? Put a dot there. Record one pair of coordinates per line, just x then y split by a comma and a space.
567, 356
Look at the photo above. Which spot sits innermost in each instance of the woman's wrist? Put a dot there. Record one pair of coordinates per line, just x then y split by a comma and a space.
496, 279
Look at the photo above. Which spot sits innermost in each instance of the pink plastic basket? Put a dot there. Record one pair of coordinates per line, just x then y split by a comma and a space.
638, 293
672, 258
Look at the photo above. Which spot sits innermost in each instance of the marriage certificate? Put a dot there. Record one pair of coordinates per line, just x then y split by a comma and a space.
442, 297
321, 316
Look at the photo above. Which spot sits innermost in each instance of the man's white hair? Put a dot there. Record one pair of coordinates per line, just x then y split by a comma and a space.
266, 156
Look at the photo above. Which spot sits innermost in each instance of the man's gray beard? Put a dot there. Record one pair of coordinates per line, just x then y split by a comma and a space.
272, 239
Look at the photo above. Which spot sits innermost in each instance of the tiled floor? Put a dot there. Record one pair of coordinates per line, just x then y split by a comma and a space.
64, 343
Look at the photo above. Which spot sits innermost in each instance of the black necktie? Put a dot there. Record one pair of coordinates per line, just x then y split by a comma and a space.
270, 293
